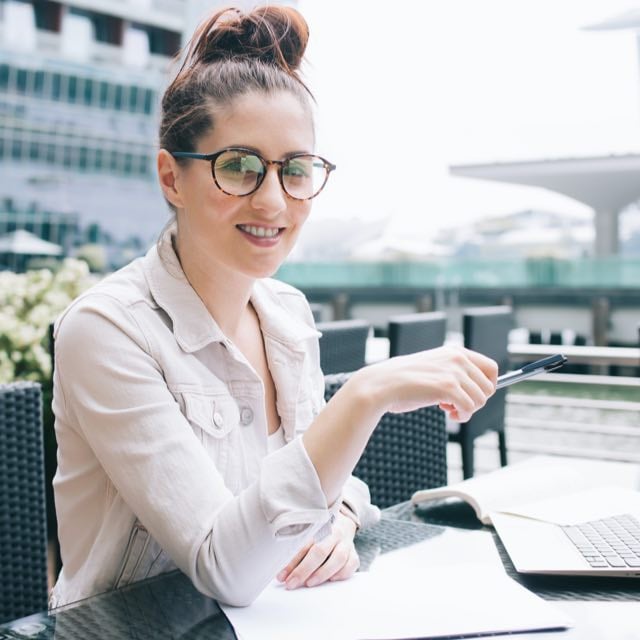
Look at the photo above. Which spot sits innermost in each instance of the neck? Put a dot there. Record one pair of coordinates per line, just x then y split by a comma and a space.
225, 294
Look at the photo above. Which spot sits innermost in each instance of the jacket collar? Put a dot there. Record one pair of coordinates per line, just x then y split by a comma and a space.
193, 326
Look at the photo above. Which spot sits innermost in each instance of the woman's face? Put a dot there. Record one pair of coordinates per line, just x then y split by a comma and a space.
236, 234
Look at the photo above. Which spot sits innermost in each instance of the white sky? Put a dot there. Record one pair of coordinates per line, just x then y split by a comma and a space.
406, 89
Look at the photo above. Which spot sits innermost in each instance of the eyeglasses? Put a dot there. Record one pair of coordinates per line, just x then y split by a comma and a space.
240, 172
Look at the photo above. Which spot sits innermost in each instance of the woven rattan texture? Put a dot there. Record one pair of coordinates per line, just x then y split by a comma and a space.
343, 345
23, 541
407, 452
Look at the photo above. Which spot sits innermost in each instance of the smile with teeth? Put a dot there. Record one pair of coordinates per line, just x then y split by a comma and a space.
260, 232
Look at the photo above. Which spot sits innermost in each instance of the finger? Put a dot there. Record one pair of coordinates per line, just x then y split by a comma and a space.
316, 555
350, 567
282, 576
488, 366
335, 562
456, 396
474, 393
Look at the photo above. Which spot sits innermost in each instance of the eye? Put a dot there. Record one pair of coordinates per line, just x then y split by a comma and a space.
241, 163
298, 168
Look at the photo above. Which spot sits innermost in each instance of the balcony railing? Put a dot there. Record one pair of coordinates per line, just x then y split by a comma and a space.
618, 272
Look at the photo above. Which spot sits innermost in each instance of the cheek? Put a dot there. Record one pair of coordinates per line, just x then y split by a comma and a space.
302, 213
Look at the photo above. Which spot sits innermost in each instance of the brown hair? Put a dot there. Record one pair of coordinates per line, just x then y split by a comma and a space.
230, 54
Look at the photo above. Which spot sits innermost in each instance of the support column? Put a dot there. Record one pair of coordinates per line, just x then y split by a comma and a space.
340, 305
424, 303
606, 227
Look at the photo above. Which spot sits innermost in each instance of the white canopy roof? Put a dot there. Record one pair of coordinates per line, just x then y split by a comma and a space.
606, 183
26, 243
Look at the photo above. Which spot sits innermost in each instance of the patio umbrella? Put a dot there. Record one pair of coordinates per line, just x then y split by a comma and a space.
23, 242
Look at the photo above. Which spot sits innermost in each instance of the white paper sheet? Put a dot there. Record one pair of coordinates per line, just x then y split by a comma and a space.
402, 596
581, 506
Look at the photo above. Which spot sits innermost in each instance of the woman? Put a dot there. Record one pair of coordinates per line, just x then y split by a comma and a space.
188, 393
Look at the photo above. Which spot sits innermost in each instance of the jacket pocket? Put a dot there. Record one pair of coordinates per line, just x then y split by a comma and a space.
143, 558
136, 547
216, 416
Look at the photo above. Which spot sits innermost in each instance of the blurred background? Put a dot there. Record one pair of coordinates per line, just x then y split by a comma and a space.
488, 153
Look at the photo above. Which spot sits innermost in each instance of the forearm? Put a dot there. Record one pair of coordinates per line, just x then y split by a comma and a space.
336, 439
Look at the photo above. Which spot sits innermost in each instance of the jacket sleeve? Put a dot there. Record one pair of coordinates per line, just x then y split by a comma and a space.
114, 394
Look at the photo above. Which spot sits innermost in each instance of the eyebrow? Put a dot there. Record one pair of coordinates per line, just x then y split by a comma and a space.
260, 153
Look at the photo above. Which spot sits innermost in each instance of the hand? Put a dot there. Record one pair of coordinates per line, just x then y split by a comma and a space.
459, 380
332, 558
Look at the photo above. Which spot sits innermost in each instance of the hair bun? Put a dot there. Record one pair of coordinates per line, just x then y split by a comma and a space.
274, 34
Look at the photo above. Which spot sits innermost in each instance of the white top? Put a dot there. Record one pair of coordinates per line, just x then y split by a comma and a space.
276, 440
163, 455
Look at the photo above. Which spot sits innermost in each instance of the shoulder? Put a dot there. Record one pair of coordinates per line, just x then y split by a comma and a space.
113, 300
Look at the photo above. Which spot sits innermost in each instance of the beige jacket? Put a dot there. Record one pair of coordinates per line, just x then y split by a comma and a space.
162, 437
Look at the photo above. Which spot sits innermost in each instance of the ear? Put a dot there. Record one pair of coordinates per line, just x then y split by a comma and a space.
169, 177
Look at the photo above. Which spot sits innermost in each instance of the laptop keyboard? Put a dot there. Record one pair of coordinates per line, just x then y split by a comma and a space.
609, 542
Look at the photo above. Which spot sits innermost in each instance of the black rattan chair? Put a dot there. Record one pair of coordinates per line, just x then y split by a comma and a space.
23, 526
343, 345
416, 332
407, 452
486, 330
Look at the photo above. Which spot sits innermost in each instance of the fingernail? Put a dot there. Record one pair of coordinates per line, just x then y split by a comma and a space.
281, 576
294, 583
312, 582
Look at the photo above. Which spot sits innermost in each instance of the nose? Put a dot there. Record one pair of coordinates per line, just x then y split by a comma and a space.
270, 197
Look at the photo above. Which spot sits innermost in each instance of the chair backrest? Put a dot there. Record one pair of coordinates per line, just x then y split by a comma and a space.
406, 452
343, 345
23, 529
416, 332
486, 330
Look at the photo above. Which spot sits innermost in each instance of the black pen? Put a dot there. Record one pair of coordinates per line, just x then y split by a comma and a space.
532, 369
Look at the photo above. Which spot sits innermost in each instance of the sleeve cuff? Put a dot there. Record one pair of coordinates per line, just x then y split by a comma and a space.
291, 496
356, 497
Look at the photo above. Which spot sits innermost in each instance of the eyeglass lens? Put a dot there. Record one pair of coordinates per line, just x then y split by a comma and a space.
239, 173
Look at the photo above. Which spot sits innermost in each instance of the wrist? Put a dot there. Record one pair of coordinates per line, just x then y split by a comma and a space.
348, 513
368, 391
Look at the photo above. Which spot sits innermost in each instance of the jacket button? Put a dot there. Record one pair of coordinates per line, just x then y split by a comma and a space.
246, 416
218, 419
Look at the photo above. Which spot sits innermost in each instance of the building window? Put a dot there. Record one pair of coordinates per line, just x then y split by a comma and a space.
83, 158
118, 97
16, 149
56, 86
133, 99
161, 41
72, 89
148, 101
104, 95
107, 29
88, 92
48, 15
38, 83
21, 81
4, 77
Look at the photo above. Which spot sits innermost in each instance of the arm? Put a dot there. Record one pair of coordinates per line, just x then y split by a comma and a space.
457, 379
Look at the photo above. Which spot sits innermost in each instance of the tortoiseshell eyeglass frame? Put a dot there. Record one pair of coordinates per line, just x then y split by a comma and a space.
212, 157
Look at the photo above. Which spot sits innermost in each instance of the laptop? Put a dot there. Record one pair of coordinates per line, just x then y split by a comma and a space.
590, 533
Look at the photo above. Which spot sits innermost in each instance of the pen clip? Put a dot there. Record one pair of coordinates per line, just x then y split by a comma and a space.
547, 364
